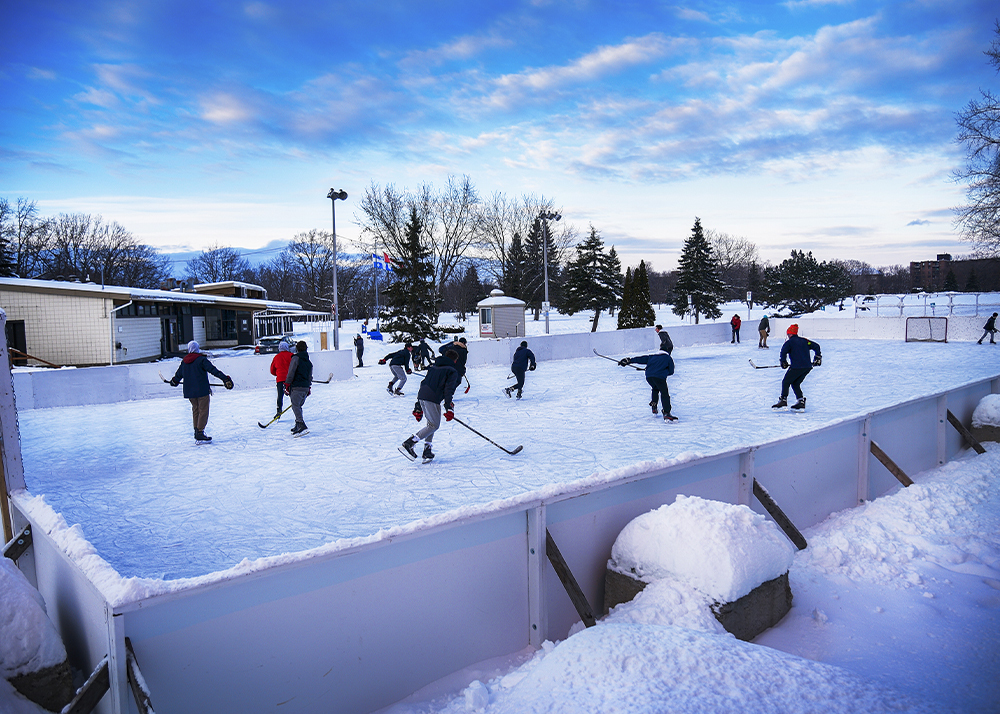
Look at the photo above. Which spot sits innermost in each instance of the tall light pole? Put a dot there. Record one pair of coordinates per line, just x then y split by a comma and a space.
546, 216
333, 196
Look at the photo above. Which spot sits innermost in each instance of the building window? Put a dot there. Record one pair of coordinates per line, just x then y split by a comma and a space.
220, 324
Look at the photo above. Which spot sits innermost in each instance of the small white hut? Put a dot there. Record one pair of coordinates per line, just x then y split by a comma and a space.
501, 316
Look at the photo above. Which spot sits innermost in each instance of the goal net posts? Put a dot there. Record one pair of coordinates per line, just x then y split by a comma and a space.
927, 329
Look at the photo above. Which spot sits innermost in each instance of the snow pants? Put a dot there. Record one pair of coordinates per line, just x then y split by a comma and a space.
519, 373
659, 393
793, 378
432, 413
298, 398
398, 373
199, 411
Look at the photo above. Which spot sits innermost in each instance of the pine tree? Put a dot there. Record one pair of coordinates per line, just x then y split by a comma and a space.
539, 247
625, 312
950, 281
972, 284
516, 271
612, 278
593, 282
802, 284
643, 314
409, 300
698, 278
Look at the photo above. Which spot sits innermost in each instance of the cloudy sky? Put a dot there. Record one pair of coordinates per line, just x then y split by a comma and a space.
824, 125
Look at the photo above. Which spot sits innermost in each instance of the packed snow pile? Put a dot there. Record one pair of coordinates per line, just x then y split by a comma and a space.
720, 549
987, 412
28, 639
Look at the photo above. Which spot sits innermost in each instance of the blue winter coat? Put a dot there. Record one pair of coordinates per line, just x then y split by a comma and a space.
659, 365
522, 358
440, 382
796, 351
193, 372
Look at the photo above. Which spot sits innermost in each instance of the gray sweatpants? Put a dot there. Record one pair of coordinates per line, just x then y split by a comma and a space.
298, 398
398, 372
432, 413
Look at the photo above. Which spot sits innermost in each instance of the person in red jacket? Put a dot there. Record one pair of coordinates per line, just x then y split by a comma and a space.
735, 323
279, 368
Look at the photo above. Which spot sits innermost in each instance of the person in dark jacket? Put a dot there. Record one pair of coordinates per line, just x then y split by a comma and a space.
990, 328
462, 350
735, 323
795, 360
298, 384
659, 366
359, 348
193, 371
524, 359
422, 355
399, 365
279, 368
437, 388
666, 345
763, 329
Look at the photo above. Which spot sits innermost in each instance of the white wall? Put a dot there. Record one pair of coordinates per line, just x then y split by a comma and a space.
140, 338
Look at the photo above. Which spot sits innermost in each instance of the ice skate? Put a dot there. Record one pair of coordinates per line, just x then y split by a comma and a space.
518, 393
298, 428
407, 450
398, 392
653, 405
799, 405
507, 391
199, 435
428, 455
781, 404
389, 388
669, 418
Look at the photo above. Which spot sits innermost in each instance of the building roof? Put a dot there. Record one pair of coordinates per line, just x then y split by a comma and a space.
498, 299
124, 294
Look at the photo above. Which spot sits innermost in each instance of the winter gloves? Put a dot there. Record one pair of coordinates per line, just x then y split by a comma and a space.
418, 411
624, 362
174, 382
818, 361
228, 383
449, 415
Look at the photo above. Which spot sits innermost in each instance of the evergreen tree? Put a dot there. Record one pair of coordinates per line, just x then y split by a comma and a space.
612, 278
972, 284
950, 281
591, 281
410, 304
540, 247
802, 284
698, 278
625, 312
643, 314
516, 271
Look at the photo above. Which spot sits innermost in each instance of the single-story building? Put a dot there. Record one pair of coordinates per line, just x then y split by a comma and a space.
68, 323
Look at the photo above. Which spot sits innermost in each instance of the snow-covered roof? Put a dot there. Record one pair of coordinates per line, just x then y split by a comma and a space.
498, 299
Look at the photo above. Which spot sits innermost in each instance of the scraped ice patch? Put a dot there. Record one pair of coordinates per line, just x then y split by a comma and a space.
650, 668
28, 639
721, 549
987, 412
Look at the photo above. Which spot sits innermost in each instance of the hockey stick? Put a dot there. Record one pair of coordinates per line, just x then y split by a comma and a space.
211, 384
264, 426
468, 388
764, 366
616, 361
325, 381
515, 451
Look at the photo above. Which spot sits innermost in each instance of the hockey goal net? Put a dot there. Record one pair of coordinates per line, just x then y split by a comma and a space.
927, 329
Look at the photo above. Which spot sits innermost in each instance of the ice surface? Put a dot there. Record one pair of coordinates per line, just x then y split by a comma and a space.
719, 549
156, 505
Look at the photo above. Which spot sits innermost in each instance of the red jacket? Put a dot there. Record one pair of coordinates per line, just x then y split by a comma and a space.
279, 366
736, 322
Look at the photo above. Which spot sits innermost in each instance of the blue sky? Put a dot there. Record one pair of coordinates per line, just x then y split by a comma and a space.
811, 124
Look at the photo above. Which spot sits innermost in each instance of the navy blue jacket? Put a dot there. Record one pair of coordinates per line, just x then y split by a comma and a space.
796, 351
463, 355
193, 372
440, 382
400, 358
659, 365
522, 358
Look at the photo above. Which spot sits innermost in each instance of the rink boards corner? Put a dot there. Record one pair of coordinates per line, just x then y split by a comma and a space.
356, 629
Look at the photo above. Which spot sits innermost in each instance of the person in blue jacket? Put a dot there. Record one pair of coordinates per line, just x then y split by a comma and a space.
524, 360
659, 366
795, 360
438, 386
399, 365
193, 371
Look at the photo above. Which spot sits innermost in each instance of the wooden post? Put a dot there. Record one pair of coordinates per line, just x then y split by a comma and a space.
890, 464
779, 516
573, 588
966, 434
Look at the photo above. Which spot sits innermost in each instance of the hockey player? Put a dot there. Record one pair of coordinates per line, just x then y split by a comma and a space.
990, 328
298, 384
193, 371
399, 364
796, 351
763, 329
462, 350
735, 323
659, 366
359, 347
665, 343
524, 360
279, 368
422, 355
438, 386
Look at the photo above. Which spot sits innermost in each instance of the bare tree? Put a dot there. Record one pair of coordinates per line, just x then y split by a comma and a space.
219, 264
455, 229
27, 236
735, 255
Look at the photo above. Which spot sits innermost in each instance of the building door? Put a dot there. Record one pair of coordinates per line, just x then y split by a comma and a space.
168, 336
16, 339
244, 330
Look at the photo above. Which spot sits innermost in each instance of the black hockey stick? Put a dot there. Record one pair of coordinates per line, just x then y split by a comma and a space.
764, 366
325, 381
467, 391
211, 384
516, 449
276, 417
617, 362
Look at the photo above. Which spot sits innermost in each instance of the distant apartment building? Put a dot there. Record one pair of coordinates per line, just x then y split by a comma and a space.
977, 275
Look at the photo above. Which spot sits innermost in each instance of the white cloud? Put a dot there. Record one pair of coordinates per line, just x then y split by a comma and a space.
224, 109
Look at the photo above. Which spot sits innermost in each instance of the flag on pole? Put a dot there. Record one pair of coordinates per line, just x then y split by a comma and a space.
382, 262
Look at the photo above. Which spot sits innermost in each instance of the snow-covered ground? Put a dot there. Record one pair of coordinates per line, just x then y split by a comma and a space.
903, 592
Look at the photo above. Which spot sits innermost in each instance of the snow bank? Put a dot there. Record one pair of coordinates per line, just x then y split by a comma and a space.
987, 412
720, 549
28, 639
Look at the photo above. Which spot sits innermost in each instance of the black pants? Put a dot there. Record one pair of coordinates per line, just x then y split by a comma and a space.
281, 395
361, 352
659, 393
519, 373
793, 378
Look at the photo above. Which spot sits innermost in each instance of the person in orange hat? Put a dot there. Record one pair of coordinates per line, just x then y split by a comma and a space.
797, 364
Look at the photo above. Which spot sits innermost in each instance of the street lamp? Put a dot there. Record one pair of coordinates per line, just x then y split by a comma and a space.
333, 196
546, 216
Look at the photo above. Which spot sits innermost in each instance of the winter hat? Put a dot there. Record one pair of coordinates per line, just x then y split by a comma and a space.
408, 346
301, 346
793, 329
193, 347
284, 347
462, 340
